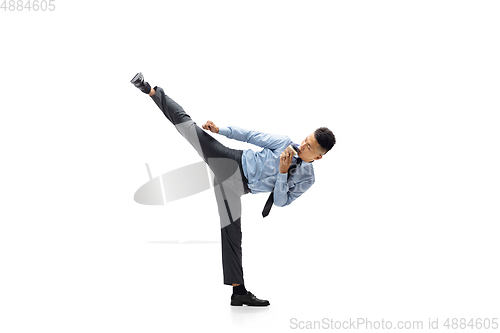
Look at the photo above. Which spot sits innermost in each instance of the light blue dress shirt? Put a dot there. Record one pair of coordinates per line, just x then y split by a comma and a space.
262, 168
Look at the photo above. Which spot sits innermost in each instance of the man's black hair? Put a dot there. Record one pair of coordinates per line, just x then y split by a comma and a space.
325, 138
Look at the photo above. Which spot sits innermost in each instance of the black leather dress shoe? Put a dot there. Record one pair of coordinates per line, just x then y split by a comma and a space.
139, 82
248, 299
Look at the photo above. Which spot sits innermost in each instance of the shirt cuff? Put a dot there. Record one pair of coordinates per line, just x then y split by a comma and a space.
282, 177
224, 131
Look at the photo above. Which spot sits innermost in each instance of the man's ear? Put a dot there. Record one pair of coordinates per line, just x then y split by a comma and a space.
318, 157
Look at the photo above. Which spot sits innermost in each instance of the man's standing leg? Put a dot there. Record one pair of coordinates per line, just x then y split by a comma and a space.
228, 203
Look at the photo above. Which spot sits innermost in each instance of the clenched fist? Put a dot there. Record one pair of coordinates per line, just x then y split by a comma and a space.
209, 125
285, 160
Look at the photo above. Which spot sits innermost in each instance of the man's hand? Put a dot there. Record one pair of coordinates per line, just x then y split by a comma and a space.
209, 125
285, 160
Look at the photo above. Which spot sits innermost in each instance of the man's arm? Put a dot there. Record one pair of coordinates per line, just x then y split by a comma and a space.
283, 196
264, 140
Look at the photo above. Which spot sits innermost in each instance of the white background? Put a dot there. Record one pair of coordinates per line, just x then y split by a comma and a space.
401, 224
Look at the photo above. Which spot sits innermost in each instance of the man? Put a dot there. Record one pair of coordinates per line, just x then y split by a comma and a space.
285, 173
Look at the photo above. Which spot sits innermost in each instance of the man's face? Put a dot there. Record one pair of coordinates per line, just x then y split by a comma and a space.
309, 149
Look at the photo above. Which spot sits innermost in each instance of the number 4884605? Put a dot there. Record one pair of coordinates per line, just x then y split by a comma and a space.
35, 5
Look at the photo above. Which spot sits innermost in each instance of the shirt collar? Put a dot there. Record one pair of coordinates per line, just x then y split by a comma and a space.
303, 162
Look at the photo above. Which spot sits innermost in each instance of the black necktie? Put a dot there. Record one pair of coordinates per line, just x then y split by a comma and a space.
270, 200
